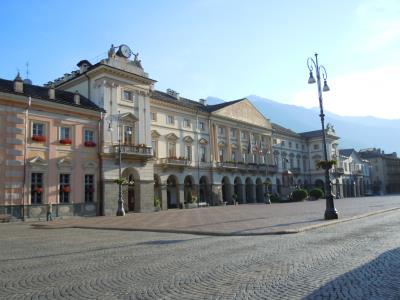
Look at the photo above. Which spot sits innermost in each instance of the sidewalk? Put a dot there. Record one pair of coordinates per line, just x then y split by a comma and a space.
246, 219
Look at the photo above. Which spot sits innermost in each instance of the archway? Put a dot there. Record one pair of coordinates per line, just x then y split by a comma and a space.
172, 192
157, 190
259, 191
189, 190
268, 185
226, 191
203, 190
131, 190
278, 186
249, 190
238, 190
320, 184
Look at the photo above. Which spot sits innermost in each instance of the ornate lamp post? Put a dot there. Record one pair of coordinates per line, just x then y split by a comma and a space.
330, 212
120, 208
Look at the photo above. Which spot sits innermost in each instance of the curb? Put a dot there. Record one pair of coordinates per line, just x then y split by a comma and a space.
219, 233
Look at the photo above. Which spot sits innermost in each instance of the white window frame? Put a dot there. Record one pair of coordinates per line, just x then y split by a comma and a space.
84, 135
170, 120
128, 92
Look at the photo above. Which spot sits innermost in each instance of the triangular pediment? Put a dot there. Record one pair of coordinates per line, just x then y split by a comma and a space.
172, 136
64, 163
155, 134
89, 165
243, 111
37, 161
128, 117
203, 141
188, 139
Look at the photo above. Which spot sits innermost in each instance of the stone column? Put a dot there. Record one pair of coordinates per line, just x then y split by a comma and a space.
181, 193
146, 196
110, 197
216, 194
164, 203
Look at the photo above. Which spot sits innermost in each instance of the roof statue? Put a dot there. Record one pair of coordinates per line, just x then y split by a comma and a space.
137, 61
329, 127
111, 52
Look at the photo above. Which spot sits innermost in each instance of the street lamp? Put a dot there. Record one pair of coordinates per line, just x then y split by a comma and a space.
330, 211
120, 208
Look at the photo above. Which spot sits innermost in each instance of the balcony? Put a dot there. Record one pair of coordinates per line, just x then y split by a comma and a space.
227, 165
134, 151
272, 169
173, 162
337, 172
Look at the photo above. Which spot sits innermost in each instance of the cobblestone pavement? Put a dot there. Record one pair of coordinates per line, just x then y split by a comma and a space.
236, 220
353, 260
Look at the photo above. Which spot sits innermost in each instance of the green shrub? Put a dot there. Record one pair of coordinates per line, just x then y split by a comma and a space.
274, 198
157, 203
299, 195
316, 193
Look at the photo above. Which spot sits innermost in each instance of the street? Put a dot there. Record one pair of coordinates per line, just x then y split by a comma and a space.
358, 259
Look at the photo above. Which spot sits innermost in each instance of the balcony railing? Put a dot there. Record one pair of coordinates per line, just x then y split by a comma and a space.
136, 150
272, 169
168, 161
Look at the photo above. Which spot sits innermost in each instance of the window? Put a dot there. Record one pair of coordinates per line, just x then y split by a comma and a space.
171, 149
154, 116
188, 152
154, 145
298, 163
284, 163
89, 188
304, 164
128, 134
65, 133
290, 144
89, 136
203, 154
316, 146
275, 141
233, 132
186, 123
283, 143
233, 156
291, 163
128, 96
243, 135
221, 154
201, 126
297, 146
263, 139
65, 188
170, 120
221, 130
302, 147
38, 129
36, 188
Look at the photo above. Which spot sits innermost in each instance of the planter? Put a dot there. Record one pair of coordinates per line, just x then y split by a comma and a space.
38, 190
66, 189
90, 144
66, 141
191, 205
38, 138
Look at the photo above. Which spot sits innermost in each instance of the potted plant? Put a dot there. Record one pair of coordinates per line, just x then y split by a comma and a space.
157, 204
90, 144
38, 138
66, 189
66, 141
38, 190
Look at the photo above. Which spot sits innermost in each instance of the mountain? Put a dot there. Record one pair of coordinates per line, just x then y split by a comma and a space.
354, 132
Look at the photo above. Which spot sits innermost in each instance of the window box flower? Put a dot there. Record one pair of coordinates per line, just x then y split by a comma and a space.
66, 189
66, 141
38, 138
90, 144
38, 190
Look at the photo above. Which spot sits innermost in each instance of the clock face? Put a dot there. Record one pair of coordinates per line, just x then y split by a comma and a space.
125, 51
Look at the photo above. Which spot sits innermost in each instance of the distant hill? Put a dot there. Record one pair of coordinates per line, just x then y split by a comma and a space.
354, 132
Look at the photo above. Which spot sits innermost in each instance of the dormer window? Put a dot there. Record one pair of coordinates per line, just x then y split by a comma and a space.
128, 96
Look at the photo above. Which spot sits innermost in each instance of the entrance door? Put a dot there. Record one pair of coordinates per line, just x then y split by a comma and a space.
131, 198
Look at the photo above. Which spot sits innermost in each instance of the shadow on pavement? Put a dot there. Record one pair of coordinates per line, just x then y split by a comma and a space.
378, 279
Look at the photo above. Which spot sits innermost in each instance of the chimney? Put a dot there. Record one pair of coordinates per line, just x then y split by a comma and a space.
52, 92
203, 101
173, 93
18, 84
77, 98
83, 66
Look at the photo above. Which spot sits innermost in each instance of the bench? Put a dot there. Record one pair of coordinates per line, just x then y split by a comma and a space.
203, 204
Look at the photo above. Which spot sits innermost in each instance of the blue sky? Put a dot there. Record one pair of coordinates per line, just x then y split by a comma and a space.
222, 48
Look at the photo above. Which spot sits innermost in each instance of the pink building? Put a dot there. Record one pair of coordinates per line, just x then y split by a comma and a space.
49, 151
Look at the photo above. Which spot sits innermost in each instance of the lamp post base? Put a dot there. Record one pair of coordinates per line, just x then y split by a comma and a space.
331, 214
120, 210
